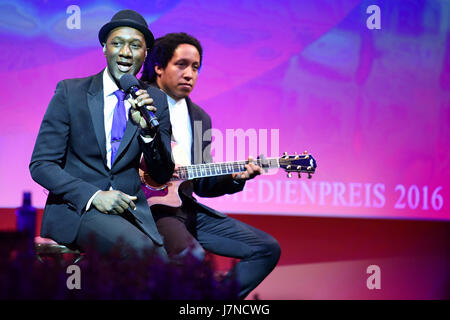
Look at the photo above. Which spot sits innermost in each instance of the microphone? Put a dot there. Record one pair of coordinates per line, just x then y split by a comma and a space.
130, 84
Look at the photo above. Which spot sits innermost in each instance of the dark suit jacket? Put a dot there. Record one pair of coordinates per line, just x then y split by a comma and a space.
69, 157
201, 153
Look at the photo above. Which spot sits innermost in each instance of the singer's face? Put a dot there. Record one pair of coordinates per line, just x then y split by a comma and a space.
178, 78
125, 51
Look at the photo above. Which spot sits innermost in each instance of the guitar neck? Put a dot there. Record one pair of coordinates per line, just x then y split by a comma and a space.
222, 168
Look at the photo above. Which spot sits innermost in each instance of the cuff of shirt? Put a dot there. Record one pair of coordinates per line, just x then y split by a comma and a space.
88, 206
146, 139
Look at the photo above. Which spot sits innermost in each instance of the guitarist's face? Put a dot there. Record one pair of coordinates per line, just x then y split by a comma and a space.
178, 78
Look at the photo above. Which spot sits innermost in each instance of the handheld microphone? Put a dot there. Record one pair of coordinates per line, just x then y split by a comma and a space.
130, 84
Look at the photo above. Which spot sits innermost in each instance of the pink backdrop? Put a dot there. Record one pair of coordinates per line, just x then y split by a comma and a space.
372, 106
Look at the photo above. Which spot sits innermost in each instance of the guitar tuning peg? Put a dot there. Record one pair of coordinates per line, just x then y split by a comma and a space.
285, 154
299, 168
289, 167
305, 152
299, 175
289, 175
309, 176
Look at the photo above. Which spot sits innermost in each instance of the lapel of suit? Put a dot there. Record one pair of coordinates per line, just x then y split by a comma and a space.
96, 107
96, 104
197, 133
130, 132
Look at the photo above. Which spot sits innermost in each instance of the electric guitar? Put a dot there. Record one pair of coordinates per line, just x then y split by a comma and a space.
167, 194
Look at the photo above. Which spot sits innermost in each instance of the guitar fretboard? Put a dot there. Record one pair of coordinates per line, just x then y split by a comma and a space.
222, 168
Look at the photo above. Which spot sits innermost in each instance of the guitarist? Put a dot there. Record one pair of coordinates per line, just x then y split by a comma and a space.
173, 66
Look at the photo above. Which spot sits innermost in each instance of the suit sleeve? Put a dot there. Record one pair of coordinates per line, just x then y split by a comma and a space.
158, 153
48, 158
214, 186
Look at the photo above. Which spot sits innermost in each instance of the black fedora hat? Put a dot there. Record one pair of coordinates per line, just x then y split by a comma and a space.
127, 18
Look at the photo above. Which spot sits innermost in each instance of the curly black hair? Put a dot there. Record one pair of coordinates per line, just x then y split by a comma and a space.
163, 50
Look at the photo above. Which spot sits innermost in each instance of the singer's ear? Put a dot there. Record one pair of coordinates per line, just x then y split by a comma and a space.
104, 48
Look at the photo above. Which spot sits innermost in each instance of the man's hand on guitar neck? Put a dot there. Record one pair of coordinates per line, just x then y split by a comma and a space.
251, 171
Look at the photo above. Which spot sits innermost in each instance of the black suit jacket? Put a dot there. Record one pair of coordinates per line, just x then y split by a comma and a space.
201, 153
69, 157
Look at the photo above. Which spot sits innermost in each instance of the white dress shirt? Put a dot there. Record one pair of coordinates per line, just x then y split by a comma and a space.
181, 125
110, 101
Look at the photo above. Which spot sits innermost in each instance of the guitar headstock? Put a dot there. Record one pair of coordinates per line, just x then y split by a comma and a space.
298, 163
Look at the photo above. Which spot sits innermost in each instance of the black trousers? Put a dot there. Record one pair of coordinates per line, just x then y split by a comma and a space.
191, 230
104, 232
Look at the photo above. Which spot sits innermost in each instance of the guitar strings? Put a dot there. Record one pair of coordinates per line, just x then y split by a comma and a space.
221, 168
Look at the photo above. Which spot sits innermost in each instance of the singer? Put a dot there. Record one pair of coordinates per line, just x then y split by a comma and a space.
88, 149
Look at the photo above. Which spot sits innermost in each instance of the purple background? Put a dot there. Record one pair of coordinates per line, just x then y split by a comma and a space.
372, 106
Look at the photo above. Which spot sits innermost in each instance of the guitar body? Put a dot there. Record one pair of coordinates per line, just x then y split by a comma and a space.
166, 194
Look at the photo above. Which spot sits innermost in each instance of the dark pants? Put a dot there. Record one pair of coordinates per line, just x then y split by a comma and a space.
189, 231
105, 231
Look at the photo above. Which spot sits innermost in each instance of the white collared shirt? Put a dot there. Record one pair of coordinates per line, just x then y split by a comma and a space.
181, 125
110, 102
